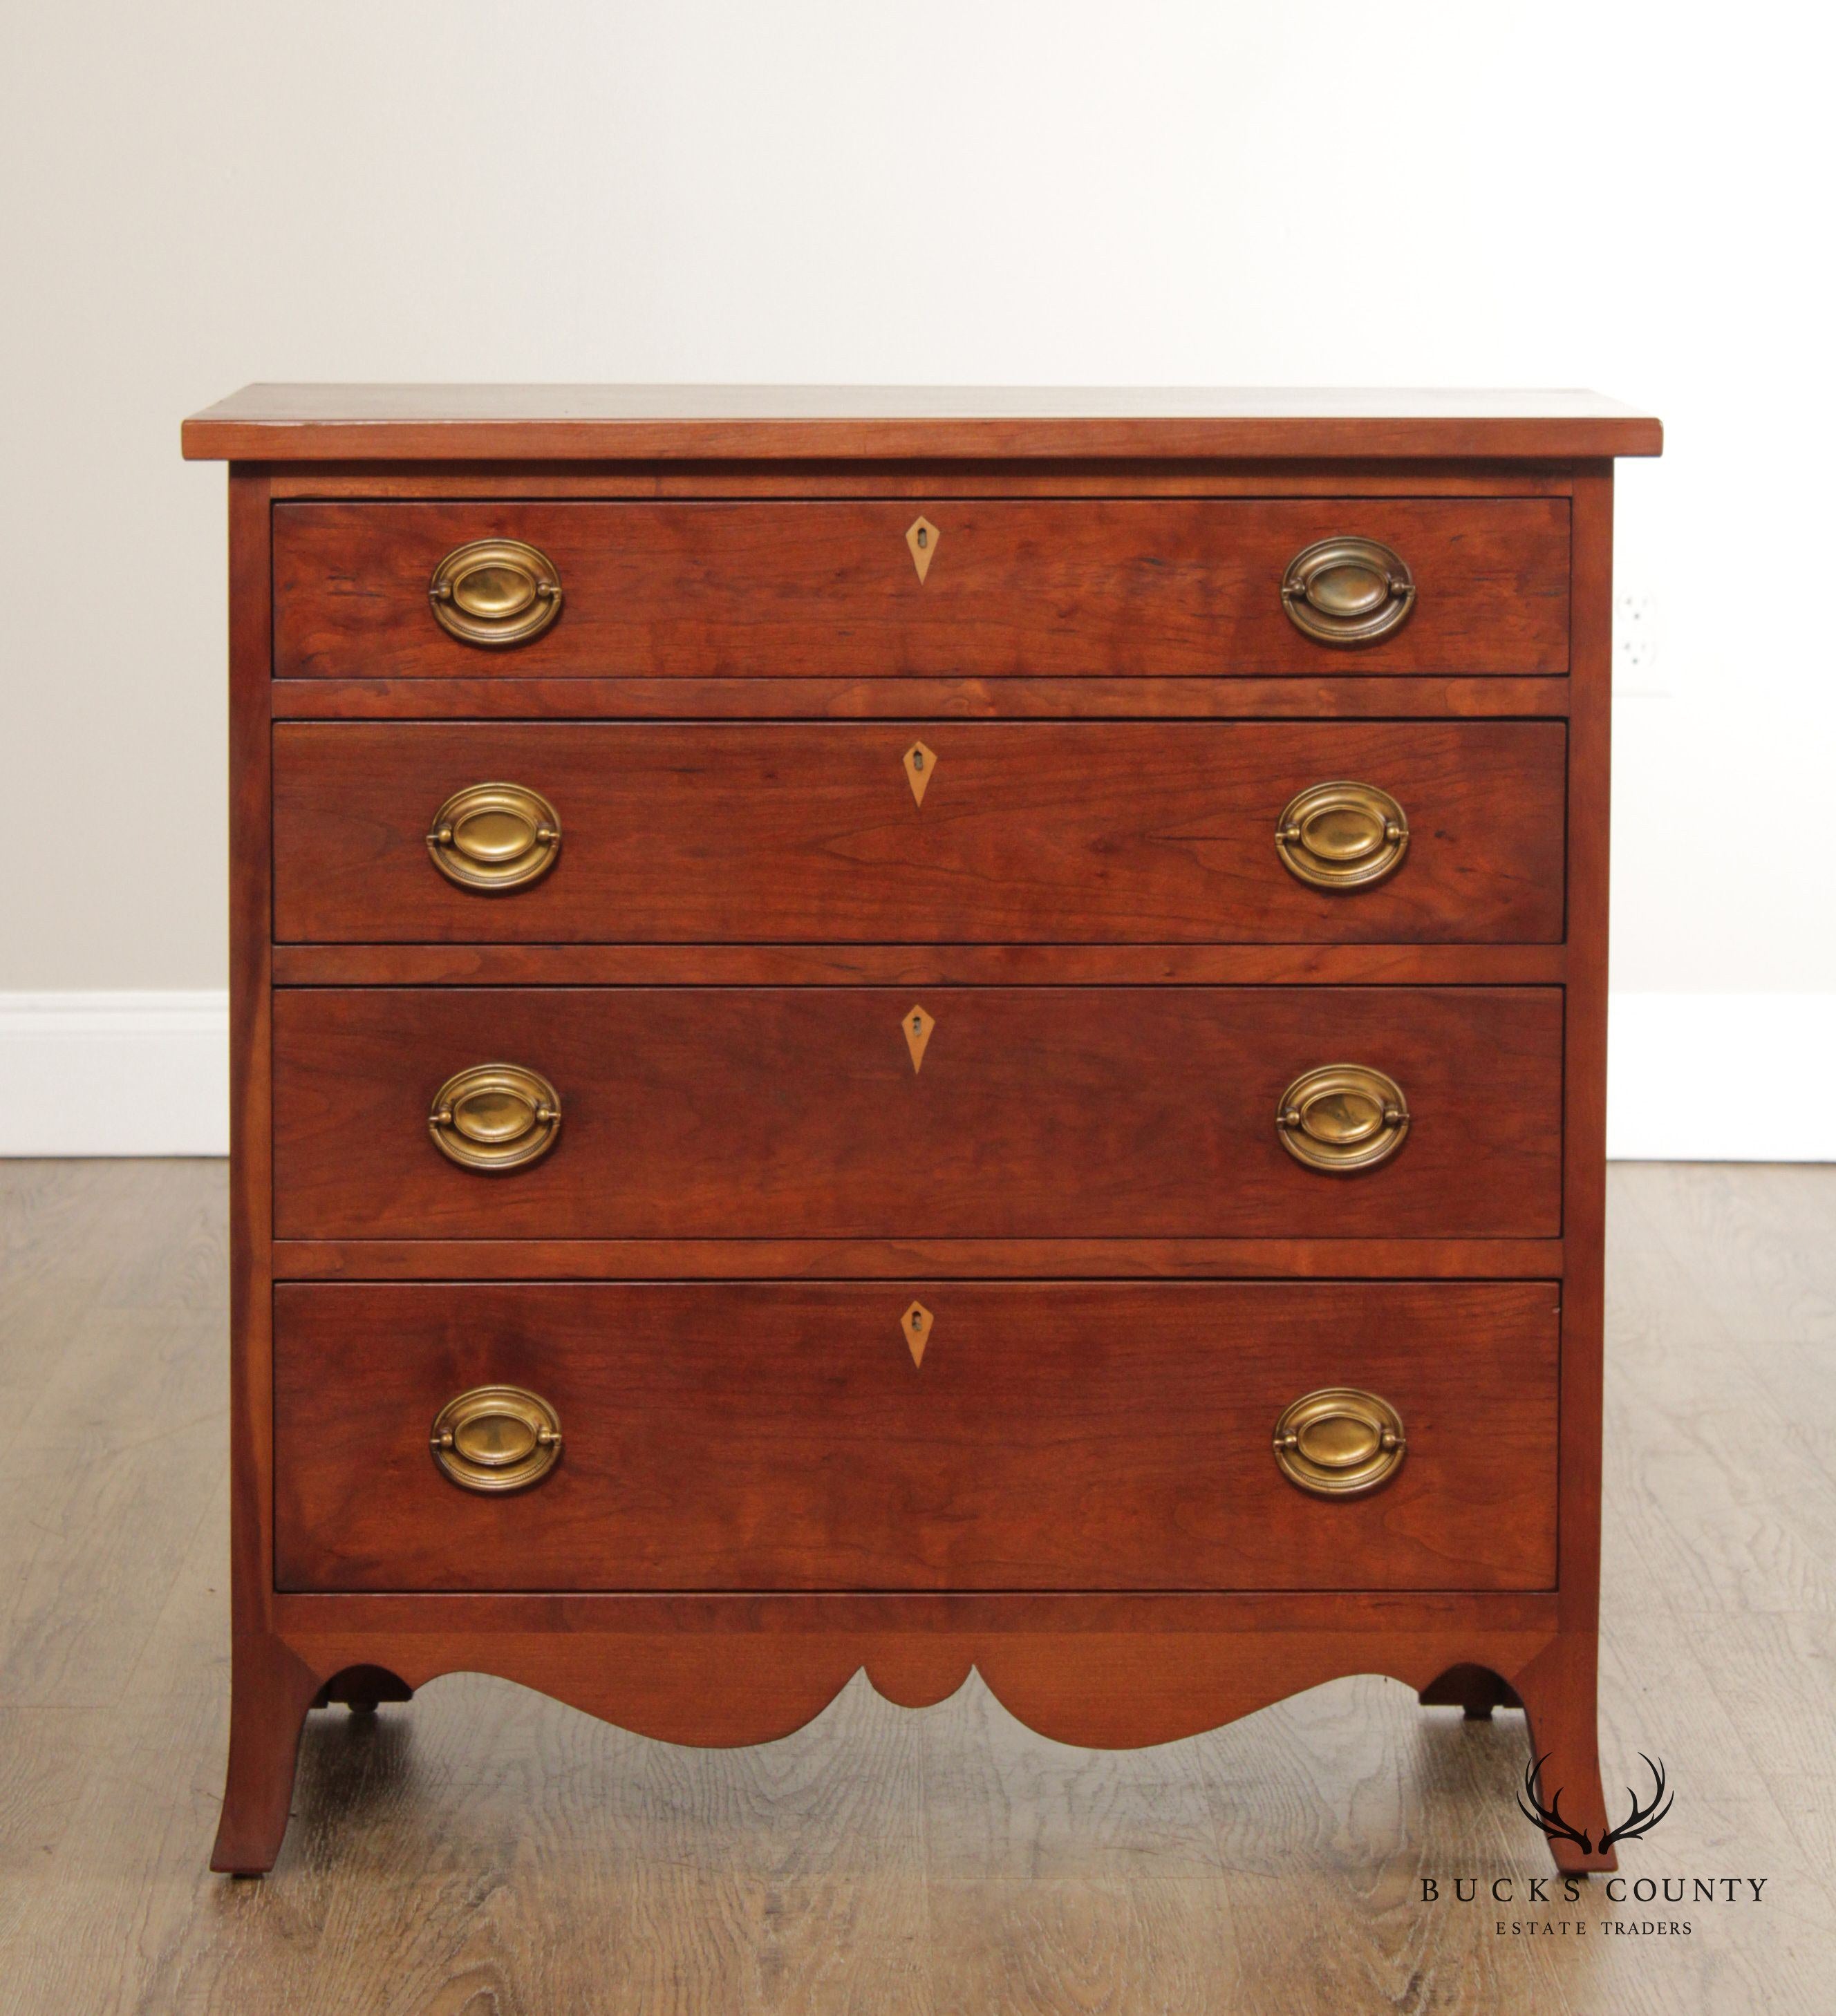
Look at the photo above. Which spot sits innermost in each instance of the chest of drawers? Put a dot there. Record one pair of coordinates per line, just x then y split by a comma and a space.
917, 1031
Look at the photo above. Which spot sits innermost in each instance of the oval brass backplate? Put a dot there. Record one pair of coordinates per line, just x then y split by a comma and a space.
1342, 835
1339, 1442
496, 1438
1342, 1117
494, 837
1348, 590
496, 592
495, 1117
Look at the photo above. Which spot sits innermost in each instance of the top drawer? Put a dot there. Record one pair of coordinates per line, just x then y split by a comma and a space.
942, 587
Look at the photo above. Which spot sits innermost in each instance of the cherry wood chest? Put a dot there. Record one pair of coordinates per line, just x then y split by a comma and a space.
922, 1031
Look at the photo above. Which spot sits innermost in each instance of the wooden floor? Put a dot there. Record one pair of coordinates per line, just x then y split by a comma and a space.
484, 1851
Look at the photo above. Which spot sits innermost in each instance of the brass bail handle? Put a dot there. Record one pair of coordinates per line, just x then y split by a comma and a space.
1339, 1442
1342, 835
494, 837
496, 592
496, 1438
1342, 1118
1348, 590
494, 1117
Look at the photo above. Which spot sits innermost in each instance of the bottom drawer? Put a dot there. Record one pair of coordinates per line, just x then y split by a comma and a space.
788, 1436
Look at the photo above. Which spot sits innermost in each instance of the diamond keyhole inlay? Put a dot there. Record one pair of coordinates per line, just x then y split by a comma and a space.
920, 763
917, 1026
915, 1327
922, 538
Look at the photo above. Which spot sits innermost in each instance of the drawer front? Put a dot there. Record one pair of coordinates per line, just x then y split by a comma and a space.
917, 831
748, 1436
1010, 588
823, 1112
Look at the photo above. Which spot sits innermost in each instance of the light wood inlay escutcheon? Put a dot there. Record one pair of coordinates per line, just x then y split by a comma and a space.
915, 1327
920, 763
917, 1026
922, 538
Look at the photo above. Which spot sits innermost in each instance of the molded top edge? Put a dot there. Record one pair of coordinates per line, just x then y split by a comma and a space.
749, 423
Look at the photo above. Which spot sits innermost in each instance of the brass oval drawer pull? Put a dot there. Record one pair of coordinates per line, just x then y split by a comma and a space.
494, 837
495, 1117
1348, 590
496, 592
1339, 1442
496, 1438
1342, 835
1342, 1117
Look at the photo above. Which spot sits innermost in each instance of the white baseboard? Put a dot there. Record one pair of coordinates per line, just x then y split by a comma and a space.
1718, 1078
114, 1074
1693, 1077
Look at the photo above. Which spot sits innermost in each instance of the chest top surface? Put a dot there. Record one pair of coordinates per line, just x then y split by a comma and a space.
306, 422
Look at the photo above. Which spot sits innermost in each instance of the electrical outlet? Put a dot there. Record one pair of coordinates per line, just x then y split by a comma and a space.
1635, 632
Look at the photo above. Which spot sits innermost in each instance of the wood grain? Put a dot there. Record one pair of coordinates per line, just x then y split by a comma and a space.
1040, 1113
774, 1437
402, 423
745, 1105
770, 698
268, 1693
485, 1844
920, 966
112, 1276
1061, 831
1019, 588
933, 475
1559, 1689
897, 1259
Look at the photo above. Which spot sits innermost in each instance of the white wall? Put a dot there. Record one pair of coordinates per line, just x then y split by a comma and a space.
1619, 195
